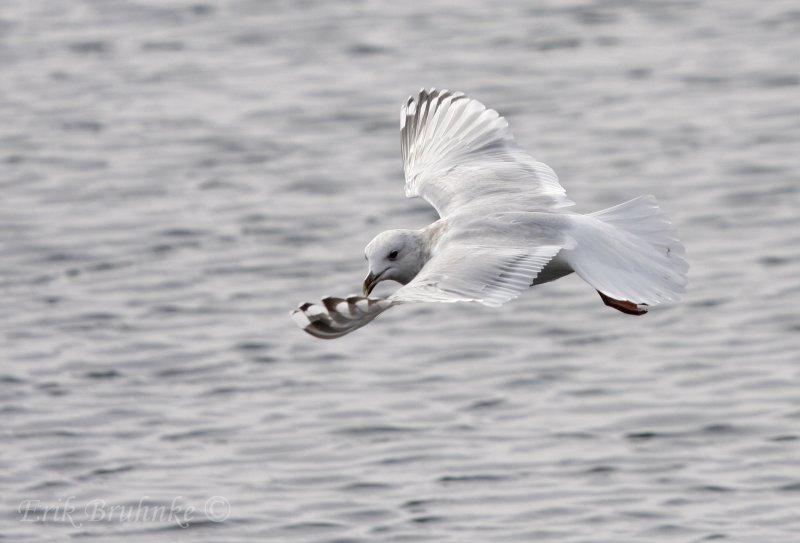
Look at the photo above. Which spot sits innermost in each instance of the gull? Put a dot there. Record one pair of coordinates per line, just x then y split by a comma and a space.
501, 228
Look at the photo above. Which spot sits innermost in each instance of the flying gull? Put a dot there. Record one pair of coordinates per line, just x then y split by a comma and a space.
500, 230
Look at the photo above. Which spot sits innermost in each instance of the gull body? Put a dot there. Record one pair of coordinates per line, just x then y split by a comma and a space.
502, 227
399, 255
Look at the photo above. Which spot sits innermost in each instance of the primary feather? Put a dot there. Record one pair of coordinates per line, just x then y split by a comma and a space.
457, 153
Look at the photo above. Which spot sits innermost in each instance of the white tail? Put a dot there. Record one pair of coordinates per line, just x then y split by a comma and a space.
630, 252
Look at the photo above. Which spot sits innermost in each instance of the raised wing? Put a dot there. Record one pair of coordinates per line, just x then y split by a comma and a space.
458, 153
487, 275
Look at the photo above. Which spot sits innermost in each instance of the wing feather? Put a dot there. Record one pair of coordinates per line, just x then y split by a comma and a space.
335, 317
456, 153
488, 275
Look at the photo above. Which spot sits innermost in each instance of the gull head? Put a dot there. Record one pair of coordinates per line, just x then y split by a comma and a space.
396, 255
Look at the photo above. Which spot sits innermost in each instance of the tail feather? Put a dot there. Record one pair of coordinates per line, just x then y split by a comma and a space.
630, 252
643, 217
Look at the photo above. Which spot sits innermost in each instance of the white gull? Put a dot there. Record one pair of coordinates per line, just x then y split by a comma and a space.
500, 230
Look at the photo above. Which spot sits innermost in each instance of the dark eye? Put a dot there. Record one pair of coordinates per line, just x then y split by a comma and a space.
392, 255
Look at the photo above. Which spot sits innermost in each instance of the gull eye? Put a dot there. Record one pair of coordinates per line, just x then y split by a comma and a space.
392, 255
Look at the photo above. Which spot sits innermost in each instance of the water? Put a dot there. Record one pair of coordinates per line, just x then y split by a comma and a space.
176, 176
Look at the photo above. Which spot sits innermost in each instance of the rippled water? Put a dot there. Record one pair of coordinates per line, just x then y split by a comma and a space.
176, 176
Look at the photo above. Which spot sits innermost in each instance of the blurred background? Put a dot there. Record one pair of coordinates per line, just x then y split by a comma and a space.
178, 175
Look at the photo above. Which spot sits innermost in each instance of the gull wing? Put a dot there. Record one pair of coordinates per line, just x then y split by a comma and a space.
336, 317
457, 153
473, 273
460, 273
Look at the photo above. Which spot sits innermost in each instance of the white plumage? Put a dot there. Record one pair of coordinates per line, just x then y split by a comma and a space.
500, 229
458, 153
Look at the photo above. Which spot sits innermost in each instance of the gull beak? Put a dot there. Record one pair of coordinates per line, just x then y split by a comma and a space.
369, 283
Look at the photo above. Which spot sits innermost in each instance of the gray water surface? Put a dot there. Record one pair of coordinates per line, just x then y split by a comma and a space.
177, 175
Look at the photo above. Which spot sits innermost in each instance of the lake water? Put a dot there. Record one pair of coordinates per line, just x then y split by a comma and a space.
178, 175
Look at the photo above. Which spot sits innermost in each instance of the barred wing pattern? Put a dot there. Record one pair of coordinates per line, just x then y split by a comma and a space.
458, 153
335, 317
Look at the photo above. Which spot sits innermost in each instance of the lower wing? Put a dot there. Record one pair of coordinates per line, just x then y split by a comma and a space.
336, 317
490, 276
